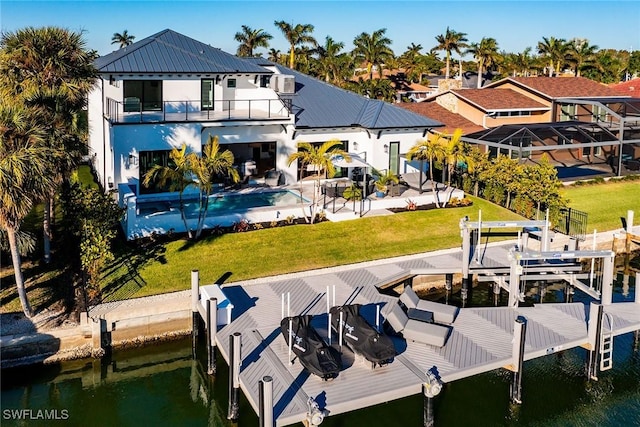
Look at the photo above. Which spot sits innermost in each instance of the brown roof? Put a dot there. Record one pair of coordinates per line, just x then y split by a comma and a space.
629, 88
562, 87
497, 99
452, 121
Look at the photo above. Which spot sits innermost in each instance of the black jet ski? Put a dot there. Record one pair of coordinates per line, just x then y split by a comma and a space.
360, 336
314, 354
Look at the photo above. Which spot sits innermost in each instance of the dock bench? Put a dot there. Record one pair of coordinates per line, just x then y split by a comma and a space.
441, 313
415, 330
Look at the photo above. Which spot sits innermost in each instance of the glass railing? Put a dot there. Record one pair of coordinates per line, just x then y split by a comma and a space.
134, 111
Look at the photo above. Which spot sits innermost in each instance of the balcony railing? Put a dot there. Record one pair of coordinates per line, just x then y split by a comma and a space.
134, 111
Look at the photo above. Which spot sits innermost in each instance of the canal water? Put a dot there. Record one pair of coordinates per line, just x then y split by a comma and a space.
162, 385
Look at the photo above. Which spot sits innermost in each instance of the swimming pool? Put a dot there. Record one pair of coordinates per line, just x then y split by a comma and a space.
221, 203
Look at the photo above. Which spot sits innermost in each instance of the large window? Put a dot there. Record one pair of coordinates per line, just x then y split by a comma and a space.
567, 113
206, 97
142, 95
599, 114
148, 159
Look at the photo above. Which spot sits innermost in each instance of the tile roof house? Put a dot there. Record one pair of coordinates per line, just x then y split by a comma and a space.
573, 110
168, 89
629, 88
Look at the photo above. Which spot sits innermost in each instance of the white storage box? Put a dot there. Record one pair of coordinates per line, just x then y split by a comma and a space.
224, 305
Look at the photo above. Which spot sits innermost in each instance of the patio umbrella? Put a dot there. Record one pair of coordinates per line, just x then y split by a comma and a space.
356, 162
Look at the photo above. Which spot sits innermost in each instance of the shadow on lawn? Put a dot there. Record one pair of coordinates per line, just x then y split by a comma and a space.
48, 286
121, 279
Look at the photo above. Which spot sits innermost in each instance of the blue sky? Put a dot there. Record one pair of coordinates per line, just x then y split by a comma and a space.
514, 24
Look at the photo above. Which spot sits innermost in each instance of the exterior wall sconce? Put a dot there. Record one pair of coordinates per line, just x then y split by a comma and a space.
133, 159
386, 148
355, 145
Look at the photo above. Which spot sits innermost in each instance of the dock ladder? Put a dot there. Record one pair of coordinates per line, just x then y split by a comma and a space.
606, 346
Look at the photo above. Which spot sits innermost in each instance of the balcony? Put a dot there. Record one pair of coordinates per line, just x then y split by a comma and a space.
134, 111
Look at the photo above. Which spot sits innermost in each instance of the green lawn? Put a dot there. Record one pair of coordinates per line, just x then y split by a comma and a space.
159, 268
605, 203
296, 248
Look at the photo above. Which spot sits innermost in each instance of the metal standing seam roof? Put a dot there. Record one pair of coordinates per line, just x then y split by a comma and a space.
172, 52
317, 104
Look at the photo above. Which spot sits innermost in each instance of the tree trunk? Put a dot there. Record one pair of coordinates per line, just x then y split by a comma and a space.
292, 57
46, 229
17, 269
434, 189
480, 67
446, 75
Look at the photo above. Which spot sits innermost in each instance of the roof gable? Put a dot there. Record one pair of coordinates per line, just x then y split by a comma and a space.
560, 87
451, 120
498, 99
172, 52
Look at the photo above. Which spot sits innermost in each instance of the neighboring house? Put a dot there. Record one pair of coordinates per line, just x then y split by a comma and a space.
628, 88
169, 89
573, 119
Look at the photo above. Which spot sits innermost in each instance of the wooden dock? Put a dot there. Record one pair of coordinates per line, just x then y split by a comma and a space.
481, 339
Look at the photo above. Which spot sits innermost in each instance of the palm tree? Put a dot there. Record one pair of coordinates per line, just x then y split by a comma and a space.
296, 36
410, 61
124, 39
177, 175
207, 169
525, 61
430, 149
250, 39
24, 178
485, 53
275, 56
320, 158
453, 152
581, 54
328, 59
373, 49
451, 41
50, 70
554, 50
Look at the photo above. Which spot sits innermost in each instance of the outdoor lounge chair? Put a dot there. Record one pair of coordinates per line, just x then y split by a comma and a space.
415, 330
441, 313
272, 178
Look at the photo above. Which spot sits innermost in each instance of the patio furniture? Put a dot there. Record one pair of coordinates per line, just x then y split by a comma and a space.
413, 181
441, 313
272, 178
415, 330
421, 315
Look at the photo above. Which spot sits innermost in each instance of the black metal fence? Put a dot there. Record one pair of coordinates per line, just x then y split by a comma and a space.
573, 223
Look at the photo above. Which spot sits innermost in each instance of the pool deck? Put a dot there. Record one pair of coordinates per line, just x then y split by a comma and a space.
481, 339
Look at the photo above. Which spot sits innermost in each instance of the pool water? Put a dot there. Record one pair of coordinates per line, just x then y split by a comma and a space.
223, 203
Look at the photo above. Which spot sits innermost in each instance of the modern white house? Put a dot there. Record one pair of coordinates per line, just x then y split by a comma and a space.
168, 89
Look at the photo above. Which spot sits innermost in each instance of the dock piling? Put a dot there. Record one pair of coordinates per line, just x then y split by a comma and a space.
430, 389
195, 300
594, 333
235, 341
212, 327
266, 401
520, 331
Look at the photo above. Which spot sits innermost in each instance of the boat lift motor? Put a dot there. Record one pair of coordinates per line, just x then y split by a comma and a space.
315, 415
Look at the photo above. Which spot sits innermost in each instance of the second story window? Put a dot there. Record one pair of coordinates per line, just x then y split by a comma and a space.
231, 82
142, 95
264, 81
